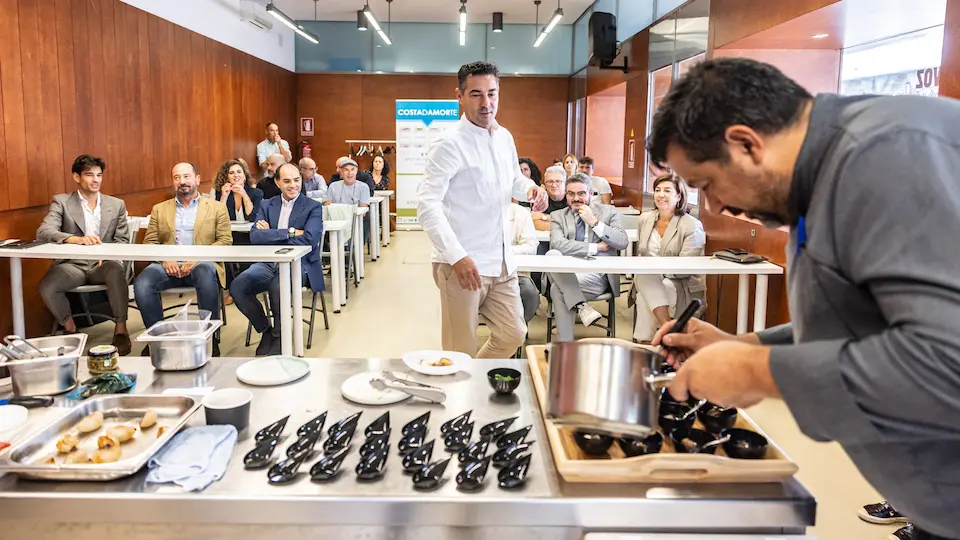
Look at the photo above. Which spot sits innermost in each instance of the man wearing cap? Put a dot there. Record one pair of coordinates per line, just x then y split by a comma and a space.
363, 176
349, 191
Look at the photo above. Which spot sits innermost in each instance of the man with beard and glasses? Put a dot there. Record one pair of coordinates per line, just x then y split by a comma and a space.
868, 187
554, 179
471, 176
186, 220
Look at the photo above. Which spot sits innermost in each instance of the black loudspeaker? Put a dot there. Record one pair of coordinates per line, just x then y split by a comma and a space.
603, 38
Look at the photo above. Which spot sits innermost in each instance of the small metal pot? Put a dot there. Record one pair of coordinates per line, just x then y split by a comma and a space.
55, 374
180, 345
604, 387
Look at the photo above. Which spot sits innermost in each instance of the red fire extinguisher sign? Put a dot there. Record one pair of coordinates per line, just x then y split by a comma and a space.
306, 126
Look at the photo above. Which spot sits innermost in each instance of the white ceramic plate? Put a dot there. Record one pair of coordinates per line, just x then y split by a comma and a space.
417, 360
12, 417
273, 370
358, 390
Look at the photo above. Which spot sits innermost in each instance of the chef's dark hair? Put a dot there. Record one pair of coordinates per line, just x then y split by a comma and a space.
717, 94
476, 68
85, 162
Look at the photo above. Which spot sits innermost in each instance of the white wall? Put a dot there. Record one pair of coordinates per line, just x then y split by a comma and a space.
220, 20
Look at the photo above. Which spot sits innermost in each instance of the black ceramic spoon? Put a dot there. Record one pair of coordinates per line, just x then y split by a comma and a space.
455, 424
505, 455
304, 445
430, 476
313, 426
412, 441
514, 475
456, 441
495, 430
379, 426
328, 466
475, 452
348, 422
273, 430
414, 461
375, 444
372, 466
286, 470
514, 437
259, 457
471, 478
340, 439
416, 424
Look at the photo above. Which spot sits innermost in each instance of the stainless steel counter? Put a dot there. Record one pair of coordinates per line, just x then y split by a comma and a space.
546, 502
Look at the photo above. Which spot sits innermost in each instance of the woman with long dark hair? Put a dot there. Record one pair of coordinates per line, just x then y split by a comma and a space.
380, 171
530, 170
232, 188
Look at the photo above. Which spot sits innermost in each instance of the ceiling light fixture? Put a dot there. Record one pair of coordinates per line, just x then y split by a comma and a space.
368, 13
282, 17
361, 21
463, 22
554, 21
820, 36
498, 21
386, 36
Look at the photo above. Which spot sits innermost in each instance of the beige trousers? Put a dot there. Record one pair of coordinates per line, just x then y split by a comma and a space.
498, 300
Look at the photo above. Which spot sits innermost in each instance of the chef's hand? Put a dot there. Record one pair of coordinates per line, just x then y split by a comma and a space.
695, 336
728, 373
467, 274
587, 215
538, 196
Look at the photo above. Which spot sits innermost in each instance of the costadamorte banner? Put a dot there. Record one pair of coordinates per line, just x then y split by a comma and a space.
419, 122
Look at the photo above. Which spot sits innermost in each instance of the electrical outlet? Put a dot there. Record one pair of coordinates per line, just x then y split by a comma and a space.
753, 232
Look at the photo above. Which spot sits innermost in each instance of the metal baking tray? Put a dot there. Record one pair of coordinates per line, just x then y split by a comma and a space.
27, 457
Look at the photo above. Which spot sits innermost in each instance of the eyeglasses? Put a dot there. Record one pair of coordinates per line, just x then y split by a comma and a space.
578, 194
555, 182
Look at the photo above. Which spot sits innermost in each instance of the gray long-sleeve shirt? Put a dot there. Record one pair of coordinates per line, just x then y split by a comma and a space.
872, 359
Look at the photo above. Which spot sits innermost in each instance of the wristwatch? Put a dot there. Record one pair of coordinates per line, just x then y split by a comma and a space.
291, 232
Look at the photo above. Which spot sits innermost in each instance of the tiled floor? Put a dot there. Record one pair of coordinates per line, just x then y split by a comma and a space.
396, 309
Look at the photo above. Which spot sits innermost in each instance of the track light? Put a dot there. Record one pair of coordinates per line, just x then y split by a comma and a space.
554, 21
463, 39
368, 13
282, 17
498, 21
384, 37
361, 21
463, 17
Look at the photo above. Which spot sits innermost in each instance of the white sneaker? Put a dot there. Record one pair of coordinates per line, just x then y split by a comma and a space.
588, 315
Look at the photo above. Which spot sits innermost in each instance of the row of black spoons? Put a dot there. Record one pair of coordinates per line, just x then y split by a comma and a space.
415, 452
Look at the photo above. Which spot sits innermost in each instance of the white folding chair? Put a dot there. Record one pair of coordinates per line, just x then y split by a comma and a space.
344, 212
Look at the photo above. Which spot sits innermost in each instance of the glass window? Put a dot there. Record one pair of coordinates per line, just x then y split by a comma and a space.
904, 64
666, 6
342, 48
633, 17
430, 48
581, 35
513, 50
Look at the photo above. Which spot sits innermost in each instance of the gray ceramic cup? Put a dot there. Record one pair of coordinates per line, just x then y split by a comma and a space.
228, 406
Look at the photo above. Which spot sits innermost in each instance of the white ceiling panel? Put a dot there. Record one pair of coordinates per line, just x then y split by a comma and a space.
436, 11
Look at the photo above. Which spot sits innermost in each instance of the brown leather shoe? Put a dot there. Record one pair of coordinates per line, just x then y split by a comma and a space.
122, 343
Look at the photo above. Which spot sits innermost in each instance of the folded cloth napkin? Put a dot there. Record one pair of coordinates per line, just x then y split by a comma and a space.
195, 458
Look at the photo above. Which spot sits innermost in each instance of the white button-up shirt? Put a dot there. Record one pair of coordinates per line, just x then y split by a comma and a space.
465, 196
91, 218
286, 208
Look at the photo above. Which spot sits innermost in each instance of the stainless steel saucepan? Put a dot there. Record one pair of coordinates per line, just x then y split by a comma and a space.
605, 386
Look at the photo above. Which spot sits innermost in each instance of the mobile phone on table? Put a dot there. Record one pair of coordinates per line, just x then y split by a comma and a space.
736, 251
281, 251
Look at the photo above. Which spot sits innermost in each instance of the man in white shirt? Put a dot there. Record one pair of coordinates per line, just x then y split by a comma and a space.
600, 185
273, 144
471, 175
89, 218
314, 185
525, 243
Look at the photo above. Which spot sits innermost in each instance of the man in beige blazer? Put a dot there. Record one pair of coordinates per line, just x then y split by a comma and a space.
87, 217
186, 220
582, 230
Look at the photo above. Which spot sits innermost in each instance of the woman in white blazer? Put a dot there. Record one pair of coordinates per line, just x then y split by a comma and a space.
668, 231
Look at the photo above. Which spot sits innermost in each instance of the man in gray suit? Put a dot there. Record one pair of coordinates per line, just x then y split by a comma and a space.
87, 217
582, 230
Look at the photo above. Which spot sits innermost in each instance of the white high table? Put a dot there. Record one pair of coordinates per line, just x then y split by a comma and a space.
669, 265
387, 194
376, 207
632, 236
290, 269
358, 257
334, 229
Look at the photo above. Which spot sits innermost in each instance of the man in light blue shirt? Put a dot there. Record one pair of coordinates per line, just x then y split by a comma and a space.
186, 219
314, 185
273, 144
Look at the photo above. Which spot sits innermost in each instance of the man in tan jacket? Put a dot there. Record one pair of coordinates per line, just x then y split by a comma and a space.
186, 220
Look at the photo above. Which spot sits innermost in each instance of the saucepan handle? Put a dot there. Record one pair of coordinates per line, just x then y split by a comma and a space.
658, 382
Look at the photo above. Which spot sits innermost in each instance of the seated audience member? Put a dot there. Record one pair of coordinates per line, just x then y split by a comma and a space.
87, 217
186, 220
314, 185
267, 185
363, 176
348, 190
582, 230
530, 170
667, 231
601, 187
554, 179
558, 163
273, 144
380, 172
292, 219
525, 243
570, 164
232, 188
251, 179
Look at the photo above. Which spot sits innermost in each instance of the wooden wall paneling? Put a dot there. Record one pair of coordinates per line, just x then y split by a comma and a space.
132, 127
731, 20
169, 81
67, 84
219, 145
32, 103
94, 65
534, 109
110, 72
950, 59
11, 87
158, 101
147, 145
197, 125
4, 195
606, 118
50, 97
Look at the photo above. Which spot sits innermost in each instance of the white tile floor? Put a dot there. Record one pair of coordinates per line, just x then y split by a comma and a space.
396, 309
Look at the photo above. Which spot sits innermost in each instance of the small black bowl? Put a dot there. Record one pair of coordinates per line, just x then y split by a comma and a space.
667, 397
633, 447
504, 387
744, 444
592, 443
697, 438
671, 414
716, 418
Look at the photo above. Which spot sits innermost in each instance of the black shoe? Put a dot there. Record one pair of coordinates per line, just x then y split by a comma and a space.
277, 347
145, 351
216, 350
881, 513
903, 533
266, 343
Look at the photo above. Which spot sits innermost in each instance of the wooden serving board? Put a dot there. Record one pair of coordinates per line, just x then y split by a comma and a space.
665, 467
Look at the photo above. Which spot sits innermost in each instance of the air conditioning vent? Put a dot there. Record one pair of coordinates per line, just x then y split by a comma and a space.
253, 13
260, 24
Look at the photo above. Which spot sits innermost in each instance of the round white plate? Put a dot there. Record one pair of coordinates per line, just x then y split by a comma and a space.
358, 390
12, 416
273, 370
415, 361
